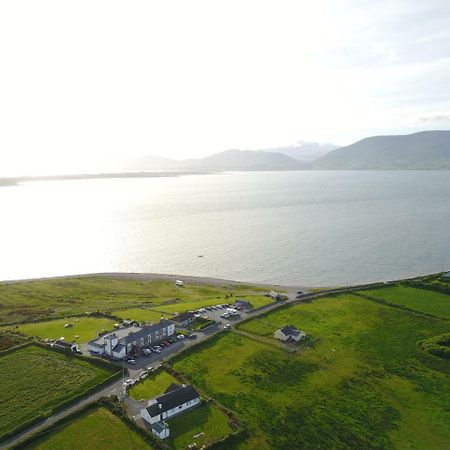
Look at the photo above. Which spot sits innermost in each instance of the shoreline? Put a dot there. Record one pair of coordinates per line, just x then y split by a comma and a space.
150, 276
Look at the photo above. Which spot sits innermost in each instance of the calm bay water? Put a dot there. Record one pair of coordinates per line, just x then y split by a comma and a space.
305, 228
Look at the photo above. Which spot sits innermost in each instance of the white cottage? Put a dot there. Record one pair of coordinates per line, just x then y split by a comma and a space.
176, 400
289, 333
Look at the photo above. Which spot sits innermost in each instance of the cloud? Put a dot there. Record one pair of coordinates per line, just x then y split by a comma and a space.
442, 117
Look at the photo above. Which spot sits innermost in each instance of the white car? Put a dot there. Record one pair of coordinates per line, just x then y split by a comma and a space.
129, 382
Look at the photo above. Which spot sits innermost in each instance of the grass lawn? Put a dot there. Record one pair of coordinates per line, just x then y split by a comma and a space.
206, 419
141, 315
33, 380
84, 327
59, 297
9, 340
421, 300
152, 386
362, 383
97, 430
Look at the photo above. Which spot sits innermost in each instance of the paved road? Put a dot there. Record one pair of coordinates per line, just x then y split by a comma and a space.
154, 360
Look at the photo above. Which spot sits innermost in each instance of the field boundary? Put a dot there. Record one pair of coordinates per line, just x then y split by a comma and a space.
104, 402
72, 400
69, 316
237, 425
385, 302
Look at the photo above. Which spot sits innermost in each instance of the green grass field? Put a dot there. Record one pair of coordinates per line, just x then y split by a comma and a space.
206, 419
59, 297
34, 380
96, 430
420, 300
362, 383
84, 327
141, 314
152, 386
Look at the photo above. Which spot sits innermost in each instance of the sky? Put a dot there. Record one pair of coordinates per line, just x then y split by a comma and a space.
85, 84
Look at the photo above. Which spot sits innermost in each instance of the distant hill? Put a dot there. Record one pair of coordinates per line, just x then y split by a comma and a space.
423, 150
242, 160
304, 151
151, 162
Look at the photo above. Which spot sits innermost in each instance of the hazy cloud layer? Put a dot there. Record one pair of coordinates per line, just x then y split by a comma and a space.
85, 83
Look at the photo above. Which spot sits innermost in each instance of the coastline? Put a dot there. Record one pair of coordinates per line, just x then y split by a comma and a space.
14, 181
147, 276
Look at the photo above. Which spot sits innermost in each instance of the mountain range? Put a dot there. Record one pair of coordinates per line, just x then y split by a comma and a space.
425, 150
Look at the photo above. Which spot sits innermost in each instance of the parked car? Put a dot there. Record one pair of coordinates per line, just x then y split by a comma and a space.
143, 374
192, 336
227, 326
128, 382
132, 361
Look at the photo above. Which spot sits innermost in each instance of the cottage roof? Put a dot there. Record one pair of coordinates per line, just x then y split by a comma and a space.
242, 301
118, 348
172, 399
172, 387
144, 332
64, 344
446, 275
290, 330
159, 427
183, 317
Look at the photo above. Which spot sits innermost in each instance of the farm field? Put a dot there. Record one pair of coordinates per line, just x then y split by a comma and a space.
153, 386
33, 380
9, 340
140, 315
84, 327
98, 429
420, 300
59, 297
206, 419
359, 382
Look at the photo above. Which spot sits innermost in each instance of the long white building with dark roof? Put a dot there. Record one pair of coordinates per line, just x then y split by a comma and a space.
122, 341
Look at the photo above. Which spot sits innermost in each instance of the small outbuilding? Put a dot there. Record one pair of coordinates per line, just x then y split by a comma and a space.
59, 343
161, 429
243, 304
183, 319
289, 333
446, 275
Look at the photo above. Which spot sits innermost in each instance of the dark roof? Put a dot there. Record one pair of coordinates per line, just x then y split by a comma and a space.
290, 330
446, 275
159, 426
172, 387
110, 336
172, 400
118, 348
63, 344
145, 331
242, 301
94, 344
183, 317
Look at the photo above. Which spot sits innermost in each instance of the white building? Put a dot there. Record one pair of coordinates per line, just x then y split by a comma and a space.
122, 341
176, 400
161, 429
289, 333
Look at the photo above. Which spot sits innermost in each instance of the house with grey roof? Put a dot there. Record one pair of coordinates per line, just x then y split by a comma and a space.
243, 304
176, 400
183, 319
289, 333
123, 341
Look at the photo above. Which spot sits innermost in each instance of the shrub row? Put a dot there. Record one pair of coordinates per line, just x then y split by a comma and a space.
438, 346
